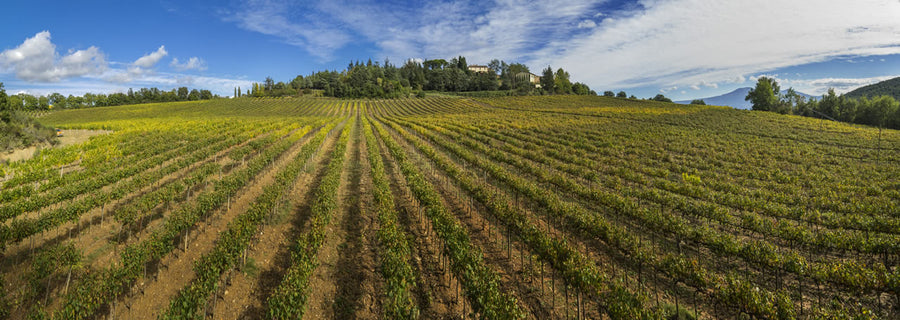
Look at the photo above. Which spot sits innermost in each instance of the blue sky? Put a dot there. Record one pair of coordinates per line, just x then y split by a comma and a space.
682, 48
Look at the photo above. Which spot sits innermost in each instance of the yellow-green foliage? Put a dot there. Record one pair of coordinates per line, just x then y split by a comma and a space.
720, 207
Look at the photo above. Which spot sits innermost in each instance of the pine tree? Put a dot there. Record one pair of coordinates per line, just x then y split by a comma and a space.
547, 80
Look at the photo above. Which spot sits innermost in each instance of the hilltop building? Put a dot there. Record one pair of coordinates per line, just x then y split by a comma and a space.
530, 77
478, 68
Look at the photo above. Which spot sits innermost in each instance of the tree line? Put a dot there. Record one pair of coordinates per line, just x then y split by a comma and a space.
881, 111
386, 80
18, 130
23, 101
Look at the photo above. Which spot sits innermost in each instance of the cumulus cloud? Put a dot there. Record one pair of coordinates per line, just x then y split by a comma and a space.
139, 68
36, 60
149, 60
194, 63
40, 69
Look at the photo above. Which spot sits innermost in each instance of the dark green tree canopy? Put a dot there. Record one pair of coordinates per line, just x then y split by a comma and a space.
661, 98
548, 80
375, 80
764, 96
881, 111
4, 105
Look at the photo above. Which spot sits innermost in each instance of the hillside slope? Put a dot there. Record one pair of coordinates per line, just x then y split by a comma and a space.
888, 87
22, 131
455, 205
18, 130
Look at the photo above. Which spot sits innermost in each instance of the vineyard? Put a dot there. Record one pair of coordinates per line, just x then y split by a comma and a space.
543, 207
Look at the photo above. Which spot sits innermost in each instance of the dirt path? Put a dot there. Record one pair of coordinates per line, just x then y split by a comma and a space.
269, 254
336, 282
69, 137
361, 250
151, 296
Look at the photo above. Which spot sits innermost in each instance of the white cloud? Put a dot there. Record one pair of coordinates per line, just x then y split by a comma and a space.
697, 86
119, 76
682, 42
39, 69
137, 69
507, 29
218, 85
149, 60
36, 59
223, 86
587, 24
736, 79
821, 86
194, 63
686, 43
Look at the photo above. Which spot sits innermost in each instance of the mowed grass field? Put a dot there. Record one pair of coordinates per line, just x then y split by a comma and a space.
445, 208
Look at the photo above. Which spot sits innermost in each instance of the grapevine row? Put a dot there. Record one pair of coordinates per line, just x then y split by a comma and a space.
234, 240
480, 282
288, 300
396, 254
97, 289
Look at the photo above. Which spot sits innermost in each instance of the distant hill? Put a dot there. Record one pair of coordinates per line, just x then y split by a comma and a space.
734, 99
887, 87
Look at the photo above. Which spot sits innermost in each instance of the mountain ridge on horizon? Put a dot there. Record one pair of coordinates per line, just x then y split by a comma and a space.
735, 98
